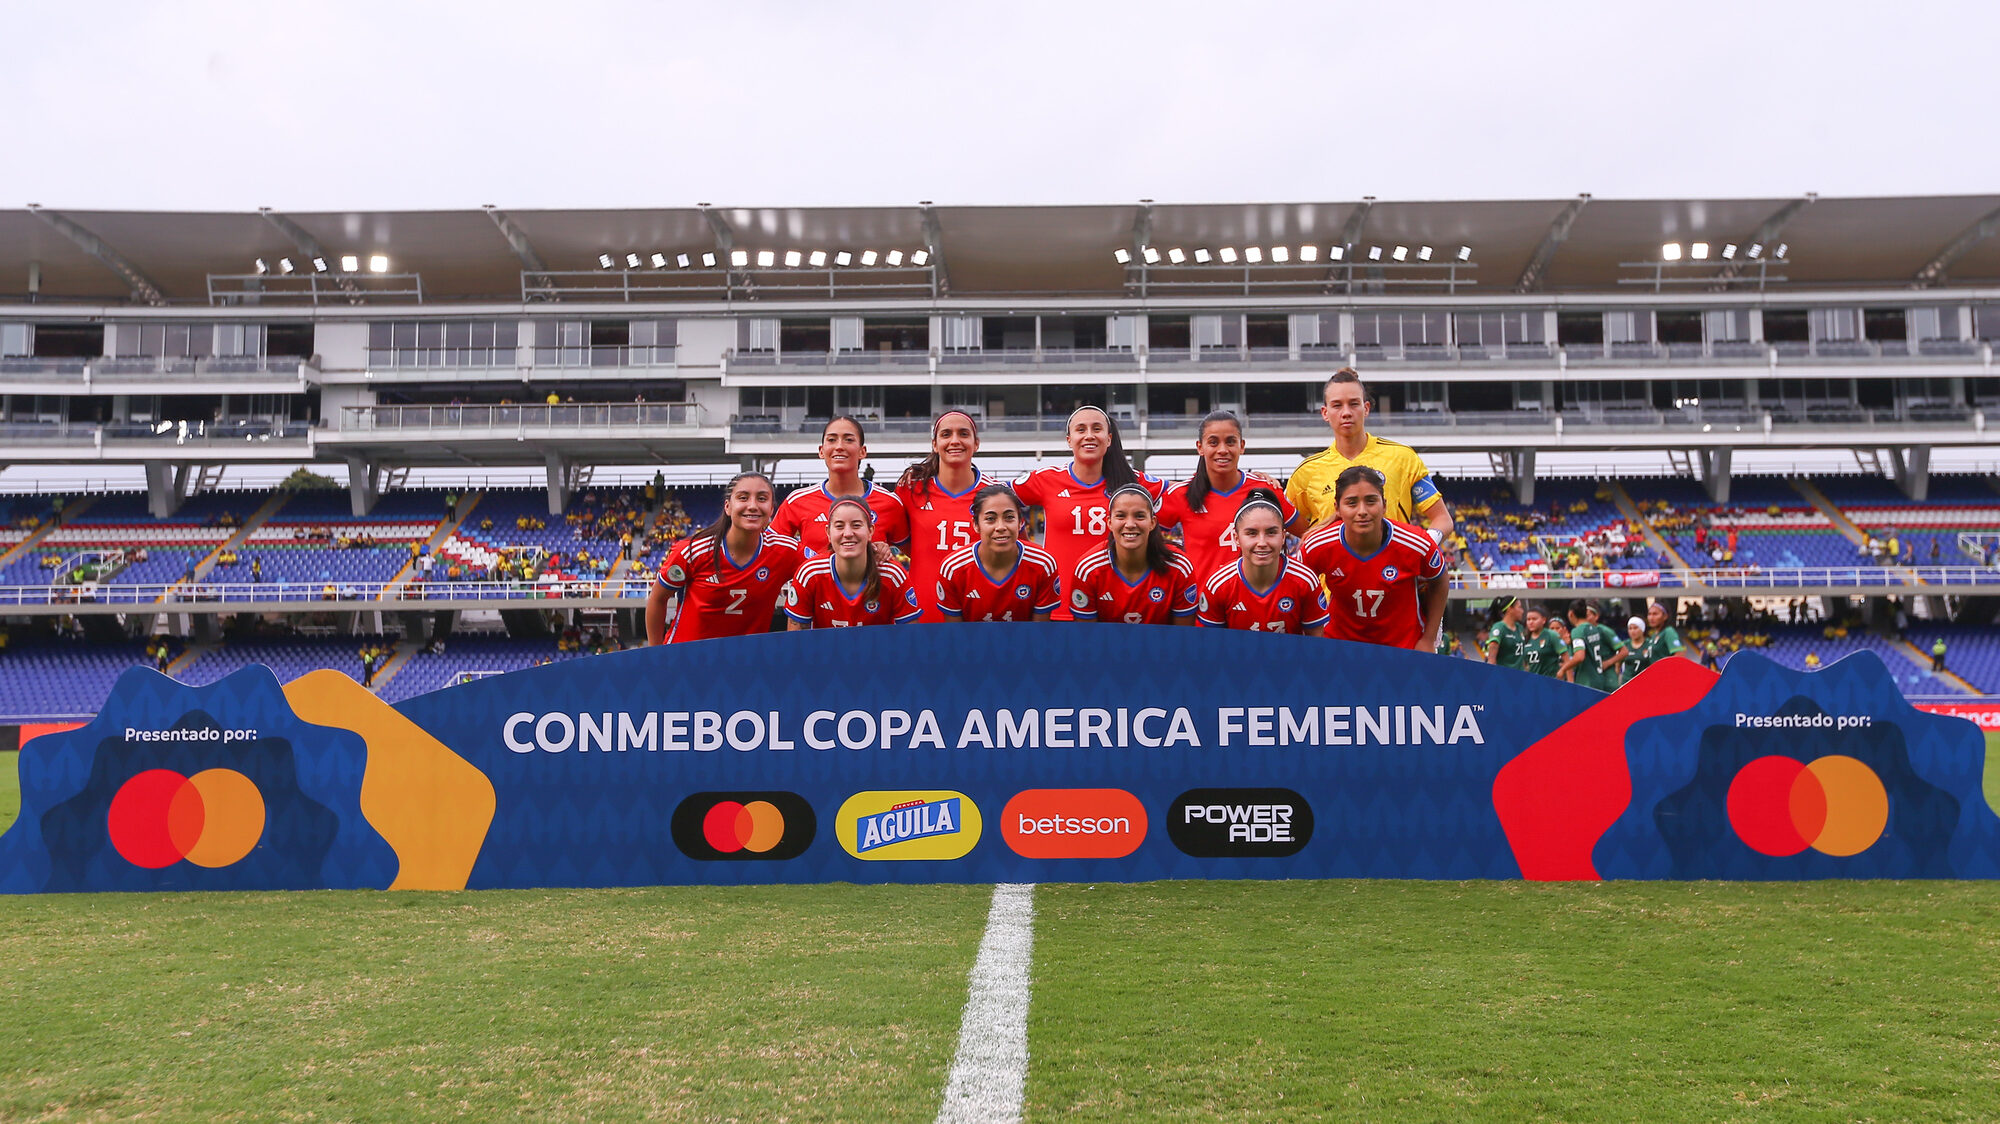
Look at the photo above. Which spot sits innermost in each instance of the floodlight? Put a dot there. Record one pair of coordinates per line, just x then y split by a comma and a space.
1374, 253
1423, 253
867, 257
319, 265
1281, 253
284, 265
895, 257
631, 261
1402, 253
708, 261
1698, 251
766, 259
350, 264
1227, 254
739, 258
1308, 253
843, 258
817, 259
793, 259
1756, 249
1152, 255
1336, 253
378, 264
1465, 253
920, 257
683, 260
1670, 252
1253, 254
659, 260
1123, 255
1780, 251
261, 267
1176, 255
1728, 250
1201, 257
603, 261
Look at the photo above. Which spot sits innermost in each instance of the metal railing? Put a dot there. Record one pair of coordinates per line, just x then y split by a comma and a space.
605, 417
728, 283
98, 434
313, 288
155, 368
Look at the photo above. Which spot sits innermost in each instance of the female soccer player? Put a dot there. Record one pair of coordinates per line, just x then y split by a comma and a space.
1204, 508
842, 447
937, 493
1263, 591
1385, 580
818, 597
1137, 578
1073, 497
729, 573
1001, 577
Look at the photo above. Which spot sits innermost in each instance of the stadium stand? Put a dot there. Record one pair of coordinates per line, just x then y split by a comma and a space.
1972, 652
1573, 524
1794, 645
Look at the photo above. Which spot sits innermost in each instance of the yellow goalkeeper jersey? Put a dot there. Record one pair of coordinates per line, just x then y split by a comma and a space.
1408, 490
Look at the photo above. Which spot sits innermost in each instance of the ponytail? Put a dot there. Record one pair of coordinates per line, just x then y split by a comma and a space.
1198, 485
722, 526
916, 479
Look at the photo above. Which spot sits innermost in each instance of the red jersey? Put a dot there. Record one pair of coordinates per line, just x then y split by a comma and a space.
1294, 602
1375, 599
1100, 592
940, 522
720, 597
814, 596
1075, 514
803, 516
1208, 536
967, 592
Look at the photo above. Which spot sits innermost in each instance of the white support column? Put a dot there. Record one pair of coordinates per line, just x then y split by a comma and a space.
362, 491
1911, 469
558, 480
163, 494
1521, 473
1715, 473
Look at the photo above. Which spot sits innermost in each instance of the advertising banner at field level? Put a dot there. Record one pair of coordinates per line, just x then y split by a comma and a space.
1055, 753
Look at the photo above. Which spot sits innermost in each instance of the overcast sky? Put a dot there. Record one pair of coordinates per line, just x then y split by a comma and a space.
412, 104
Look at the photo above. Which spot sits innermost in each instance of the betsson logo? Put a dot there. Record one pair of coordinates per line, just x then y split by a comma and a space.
1074, 823
1219, 823
740, 826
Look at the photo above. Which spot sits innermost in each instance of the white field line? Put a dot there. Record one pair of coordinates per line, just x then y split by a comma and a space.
991, 1068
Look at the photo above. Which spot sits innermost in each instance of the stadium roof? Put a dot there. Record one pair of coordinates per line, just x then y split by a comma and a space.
1558, 245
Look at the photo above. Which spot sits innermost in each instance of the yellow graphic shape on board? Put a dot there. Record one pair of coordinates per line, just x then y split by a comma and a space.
431, 805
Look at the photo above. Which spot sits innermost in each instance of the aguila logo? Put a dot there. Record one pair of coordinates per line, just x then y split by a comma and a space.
927, 824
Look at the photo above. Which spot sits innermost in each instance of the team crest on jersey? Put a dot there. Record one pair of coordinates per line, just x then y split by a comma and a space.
763, 573
1155, 593
1081, 599
675, 574
1021, 591
1284, 604
1389, 573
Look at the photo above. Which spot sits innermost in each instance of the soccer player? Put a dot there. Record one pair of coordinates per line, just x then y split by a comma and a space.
1630, 658
1503, 639
1542, 649
1590, 649
1385, 581
1411, 493
937, 493
1204, 508
842, 447
1263, 591
729, 573
1137, 578
818, 595
1001, 577
1662, 639
1074, 497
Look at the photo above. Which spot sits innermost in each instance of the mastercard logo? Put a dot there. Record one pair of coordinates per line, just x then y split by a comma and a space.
743, 826
211, 819
1835, 805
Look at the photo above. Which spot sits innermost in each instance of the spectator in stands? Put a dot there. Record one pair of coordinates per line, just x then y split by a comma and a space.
1937, 654
1934, 550
1812, 661
554, 399
256, 568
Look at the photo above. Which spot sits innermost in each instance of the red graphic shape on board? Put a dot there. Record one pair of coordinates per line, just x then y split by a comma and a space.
1561, 794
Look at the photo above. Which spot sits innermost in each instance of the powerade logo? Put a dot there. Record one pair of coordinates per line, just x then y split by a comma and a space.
929, 824
1073, 823
1240, 823
743, 826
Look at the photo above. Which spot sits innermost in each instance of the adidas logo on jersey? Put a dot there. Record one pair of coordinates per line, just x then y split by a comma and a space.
1238, 608
822, 518
827, 605
926, 507
1337, 573
1064, 494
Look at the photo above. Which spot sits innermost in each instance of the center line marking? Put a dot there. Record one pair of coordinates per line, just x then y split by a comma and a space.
990, 1071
